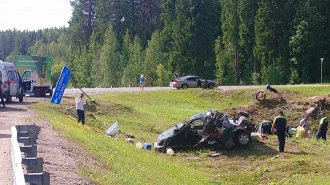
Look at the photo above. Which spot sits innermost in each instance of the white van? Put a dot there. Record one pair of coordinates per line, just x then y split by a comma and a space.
12, 83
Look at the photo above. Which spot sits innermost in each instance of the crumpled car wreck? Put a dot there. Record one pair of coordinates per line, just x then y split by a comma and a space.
210, 129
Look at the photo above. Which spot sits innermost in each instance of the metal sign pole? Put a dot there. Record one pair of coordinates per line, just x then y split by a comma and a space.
75, 84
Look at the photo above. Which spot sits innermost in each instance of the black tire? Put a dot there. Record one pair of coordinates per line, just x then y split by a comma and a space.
9, 99
51, 92
211, 86
43, 93
260, 96
184, 86
243, 138
21, 95
36, 93
20, 99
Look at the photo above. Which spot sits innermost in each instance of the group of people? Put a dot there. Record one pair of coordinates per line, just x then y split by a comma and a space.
280, 123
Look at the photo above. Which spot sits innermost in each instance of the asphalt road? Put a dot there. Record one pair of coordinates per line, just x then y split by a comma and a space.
73, 91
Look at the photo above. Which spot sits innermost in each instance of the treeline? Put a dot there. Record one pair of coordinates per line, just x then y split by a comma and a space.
113, 42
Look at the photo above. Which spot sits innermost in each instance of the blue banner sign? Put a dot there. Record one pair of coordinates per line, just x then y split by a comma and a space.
60, 86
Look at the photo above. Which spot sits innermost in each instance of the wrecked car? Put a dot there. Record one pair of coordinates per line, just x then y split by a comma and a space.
212, 128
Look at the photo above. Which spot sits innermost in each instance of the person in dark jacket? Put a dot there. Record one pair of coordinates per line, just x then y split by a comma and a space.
323, 127
280, 124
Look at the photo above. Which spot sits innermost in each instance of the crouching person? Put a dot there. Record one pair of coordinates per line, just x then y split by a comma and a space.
301, 131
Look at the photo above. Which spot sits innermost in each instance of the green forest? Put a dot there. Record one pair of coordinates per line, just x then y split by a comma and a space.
236, 42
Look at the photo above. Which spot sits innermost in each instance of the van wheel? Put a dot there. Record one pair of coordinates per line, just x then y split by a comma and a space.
8, 100
43, 93
20, 98
21, 95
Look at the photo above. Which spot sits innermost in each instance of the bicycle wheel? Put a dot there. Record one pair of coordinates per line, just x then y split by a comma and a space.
260, 96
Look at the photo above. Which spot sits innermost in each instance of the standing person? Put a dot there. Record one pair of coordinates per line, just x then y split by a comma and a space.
80, 109
199, 83
142, 82
35, 76
280, 124
176, 76
323, 127
1, 91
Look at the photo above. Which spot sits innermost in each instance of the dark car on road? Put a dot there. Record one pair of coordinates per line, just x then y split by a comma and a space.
191, 81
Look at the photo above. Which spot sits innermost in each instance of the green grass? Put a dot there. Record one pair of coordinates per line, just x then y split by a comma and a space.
146, 114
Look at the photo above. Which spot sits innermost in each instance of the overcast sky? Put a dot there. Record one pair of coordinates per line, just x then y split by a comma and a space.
34, 14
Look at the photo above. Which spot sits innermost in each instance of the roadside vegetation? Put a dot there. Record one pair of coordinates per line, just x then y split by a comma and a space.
145, 115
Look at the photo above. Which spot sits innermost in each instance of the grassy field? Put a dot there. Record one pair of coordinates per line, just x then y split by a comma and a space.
146, 114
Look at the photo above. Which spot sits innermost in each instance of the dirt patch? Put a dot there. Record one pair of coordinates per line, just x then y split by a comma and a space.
62, 158
294, 109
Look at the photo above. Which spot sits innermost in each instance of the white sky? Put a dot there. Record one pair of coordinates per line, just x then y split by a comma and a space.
34, 14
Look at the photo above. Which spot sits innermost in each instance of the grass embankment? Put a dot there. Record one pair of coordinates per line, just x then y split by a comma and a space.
146, 114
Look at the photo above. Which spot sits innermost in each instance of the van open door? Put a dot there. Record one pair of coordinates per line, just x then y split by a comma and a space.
27, 82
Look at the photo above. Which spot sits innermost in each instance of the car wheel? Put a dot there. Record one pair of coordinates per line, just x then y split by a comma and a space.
243, 138
9, 99
184, 86
211, 86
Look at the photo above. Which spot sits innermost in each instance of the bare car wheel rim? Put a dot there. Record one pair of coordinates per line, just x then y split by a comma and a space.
244, 139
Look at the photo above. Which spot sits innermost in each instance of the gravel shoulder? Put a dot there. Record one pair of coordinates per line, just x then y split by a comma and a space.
62, 157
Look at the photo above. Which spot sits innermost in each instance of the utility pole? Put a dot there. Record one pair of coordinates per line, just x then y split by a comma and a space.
236, 43
321, 68
133, 5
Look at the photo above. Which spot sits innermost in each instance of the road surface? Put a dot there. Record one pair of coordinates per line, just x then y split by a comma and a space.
62, 158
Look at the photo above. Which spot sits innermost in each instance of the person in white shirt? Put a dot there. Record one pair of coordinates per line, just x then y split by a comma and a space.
304, 121
80, 109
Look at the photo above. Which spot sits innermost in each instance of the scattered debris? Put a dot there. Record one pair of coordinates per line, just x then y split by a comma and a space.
138, 145
129, 140
215, 154
193, 158
113, 129
170, 151
146, 146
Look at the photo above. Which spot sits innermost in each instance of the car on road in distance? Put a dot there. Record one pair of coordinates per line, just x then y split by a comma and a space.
191, 81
